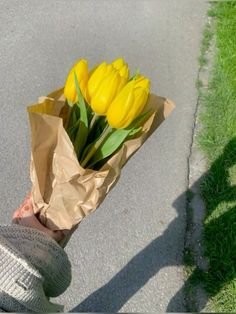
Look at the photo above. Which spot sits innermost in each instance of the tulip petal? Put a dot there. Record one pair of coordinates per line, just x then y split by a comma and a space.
96, 78
120, 107
118, 63
105, 93
69, 89
142, 81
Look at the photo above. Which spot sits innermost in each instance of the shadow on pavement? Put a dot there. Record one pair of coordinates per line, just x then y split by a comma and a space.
219, 232
142, 267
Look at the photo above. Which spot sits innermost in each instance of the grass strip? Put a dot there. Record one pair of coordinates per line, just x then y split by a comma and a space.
218, 140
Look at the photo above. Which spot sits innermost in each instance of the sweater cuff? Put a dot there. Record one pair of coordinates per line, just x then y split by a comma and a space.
21, 285
44, 253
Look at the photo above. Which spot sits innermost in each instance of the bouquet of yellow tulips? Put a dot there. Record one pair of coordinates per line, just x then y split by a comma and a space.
106, 108
83, 134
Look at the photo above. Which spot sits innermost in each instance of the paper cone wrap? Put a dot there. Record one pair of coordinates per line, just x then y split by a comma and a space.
63, 193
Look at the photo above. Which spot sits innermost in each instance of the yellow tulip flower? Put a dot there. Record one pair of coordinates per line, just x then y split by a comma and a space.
129, 103
105, 93
81, 70
105, 83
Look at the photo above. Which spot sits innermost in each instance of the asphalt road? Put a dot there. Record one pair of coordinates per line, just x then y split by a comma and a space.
127, 256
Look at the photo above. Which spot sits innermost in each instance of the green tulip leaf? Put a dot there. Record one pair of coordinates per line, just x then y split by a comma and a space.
81, 103
136, 74
72, 131
73, 118
82, 134
87, 149
117, 137
110, 145
77, 112
135, 131
89, 112
80, 139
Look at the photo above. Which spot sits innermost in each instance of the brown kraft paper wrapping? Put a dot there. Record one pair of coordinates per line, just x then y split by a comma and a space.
63, 193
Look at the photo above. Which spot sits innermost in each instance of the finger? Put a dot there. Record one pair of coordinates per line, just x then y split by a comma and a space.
27, 210
24, 216
33, 222
17, 212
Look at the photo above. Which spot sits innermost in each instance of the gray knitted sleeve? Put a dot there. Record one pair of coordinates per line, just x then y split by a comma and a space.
33, 268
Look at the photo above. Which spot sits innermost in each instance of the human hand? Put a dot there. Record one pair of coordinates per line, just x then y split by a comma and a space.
25, 216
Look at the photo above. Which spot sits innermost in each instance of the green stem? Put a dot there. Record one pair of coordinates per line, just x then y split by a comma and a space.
93, 121
96, 145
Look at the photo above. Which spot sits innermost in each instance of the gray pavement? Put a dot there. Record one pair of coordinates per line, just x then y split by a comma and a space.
127, 256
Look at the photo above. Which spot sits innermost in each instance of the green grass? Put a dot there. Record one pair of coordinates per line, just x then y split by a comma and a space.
218, 141
205, 44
